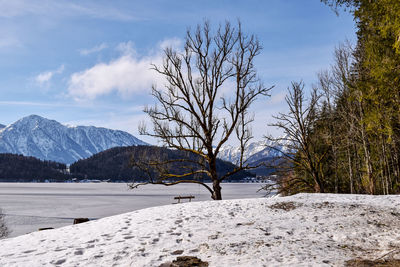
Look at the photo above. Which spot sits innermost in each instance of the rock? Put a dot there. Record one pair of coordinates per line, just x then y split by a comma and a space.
80, 220
188, 261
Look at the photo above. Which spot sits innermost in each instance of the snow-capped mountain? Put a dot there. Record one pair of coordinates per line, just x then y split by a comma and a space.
2, 126
50, 140
253, 152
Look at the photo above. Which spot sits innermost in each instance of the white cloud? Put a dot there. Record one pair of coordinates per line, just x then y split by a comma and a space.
46, 76
126, 75
126, 48
94, 49
175, 43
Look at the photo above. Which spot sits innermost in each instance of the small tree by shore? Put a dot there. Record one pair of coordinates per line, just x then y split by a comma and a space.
4, 232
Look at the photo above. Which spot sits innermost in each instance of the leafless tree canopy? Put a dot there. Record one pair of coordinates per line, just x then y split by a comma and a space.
210, 86
297, 127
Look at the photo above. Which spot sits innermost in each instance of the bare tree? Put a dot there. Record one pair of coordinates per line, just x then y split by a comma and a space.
211, 85
297, 126
3, 227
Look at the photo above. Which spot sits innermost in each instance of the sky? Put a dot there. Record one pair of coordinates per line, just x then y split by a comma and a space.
88, 62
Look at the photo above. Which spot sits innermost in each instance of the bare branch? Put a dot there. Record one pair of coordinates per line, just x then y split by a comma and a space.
193, 114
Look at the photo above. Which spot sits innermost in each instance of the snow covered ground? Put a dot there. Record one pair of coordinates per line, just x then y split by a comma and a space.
29, 206
301, 230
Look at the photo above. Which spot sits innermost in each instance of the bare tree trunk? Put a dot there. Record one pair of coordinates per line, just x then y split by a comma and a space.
386, 167
336, 167
350, 169
215, 181
367, 157
358, 162
368, 165
395, 166
217, 190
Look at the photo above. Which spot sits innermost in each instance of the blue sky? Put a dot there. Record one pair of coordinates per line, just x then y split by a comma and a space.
87, 62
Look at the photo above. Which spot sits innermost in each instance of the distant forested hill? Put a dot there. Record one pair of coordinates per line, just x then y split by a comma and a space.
18, 168
114, 164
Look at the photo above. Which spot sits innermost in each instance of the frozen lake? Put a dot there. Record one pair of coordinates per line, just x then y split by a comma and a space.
29, 206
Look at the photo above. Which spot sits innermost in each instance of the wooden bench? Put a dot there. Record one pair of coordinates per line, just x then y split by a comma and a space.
183, 197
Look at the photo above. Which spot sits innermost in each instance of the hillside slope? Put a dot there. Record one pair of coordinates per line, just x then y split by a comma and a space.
18, 168
114, 164
301, 230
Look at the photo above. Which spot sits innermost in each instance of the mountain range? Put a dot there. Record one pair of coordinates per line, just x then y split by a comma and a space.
254, 152
264, 153
50, 140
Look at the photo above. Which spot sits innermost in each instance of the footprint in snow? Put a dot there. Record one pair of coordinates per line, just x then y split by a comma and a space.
40, 253
177, 252
128, 233
79, 252
117, 258
178, 234
61, 261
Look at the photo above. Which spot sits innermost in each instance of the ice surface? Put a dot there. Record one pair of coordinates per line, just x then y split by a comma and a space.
29, 206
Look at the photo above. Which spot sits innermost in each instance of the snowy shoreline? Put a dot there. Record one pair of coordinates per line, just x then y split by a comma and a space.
301, 230
29, 206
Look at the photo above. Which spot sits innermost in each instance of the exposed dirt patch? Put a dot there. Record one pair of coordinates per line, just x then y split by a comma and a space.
374, 263
186, 261
323, 205
286, 206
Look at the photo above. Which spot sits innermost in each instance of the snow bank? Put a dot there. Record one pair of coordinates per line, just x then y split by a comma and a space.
301, 230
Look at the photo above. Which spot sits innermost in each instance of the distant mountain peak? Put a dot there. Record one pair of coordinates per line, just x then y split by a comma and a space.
33, 117
47, 139
253, 151
2, 126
